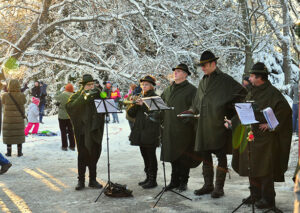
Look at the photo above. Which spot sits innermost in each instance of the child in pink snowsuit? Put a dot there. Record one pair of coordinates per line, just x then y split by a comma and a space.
33, 116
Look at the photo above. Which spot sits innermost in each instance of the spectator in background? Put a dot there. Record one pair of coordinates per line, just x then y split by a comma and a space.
137, 90
97, 85
36, 90
294, 94
24, 88
33, 116
115, 94
43, 94
65, 124
13, 117
5, 164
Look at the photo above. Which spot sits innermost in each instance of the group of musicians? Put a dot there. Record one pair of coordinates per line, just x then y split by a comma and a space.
186, 141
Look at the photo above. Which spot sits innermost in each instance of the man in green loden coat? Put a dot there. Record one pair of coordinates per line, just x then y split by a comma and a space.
265, 159
88, 128
214, 100
178, 134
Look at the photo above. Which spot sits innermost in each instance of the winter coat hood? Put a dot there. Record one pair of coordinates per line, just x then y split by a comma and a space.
14, 86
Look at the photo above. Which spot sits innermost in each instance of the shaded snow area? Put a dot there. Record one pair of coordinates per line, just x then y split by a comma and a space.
43, 180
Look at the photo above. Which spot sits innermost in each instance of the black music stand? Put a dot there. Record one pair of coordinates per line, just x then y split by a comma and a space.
106, 106
155, 103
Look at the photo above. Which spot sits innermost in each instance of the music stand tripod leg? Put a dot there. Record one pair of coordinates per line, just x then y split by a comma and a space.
105, 187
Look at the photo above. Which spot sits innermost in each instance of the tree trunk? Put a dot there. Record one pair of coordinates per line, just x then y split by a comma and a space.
286, 66
247, 42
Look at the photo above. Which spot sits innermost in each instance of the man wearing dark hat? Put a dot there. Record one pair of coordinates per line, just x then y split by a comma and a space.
269, 152
214, 100
88, 128
178, 135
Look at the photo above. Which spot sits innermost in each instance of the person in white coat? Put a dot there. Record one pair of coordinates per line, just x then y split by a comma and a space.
33, 116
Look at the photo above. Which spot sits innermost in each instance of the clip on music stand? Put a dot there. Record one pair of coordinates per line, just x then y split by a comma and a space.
155, 103
106, 106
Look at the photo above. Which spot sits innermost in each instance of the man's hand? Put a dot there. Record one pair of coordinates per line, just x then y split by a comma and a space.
187, 112
263, 127
228, 123
139, 101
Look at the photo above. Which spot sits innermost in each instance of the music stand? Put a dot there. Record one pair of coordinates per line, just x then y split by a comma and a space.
105, 106
155, 103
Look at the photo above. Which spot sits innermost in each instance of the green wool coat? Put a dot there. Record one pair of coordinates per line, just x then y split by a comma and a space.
269, 152
178, 133
62, 99
213, 102
13, 122
85, 119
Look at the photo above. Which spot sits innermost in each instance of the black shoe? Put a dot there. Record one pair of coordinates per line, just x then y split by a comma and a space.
182, 187
150, 184
20, 154
64, 148
217, 192
172, 185
95, 184
5, 168
80, 186
263, 204
8, 154
144, 181
72, 148
204, 190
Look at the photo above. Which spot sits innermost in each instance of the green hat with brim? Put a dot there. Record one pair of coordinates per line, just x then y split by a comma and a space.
149, 79
182, 67
206, 57
86, 78
259, 68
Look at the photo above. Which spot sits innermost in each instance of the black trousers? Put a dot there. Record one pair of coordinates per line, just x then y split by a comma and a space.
180, 170
150, 161
66, 130
221, 156
263, 188
87, 159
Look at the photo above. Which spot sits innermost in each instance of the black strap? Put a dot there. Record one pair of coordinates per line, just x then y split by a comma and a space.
18, 107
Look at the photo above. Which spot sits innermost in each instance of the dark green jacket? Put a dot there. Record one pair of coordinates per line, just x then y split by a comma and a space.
269, 152
178, 133
85, 119
145, 131
62, 99
213, 103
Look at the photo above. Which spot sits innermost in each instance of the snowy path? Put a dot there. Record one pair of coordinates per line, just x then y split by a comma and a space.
43, 180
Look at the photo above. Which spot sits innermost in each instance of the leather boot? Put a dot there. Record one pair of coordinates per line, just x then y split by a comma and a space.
8, 154
184, 177
94, 184
5, 168
208, 175
20, 150
80, 185
175, 181
147, 178
220, 180
151, 183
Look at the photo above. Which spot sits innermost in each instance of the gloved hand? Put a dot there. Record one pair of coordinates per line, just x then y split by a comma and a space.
187, 112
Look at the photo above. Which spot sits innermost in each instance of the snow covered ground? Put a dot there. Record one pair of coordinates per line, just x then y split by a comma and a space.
43, 180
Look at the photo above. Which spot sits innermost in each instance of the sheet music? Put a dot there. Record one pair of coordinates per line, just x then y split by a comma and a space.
110, 105
245, 113
149, 102
271, 118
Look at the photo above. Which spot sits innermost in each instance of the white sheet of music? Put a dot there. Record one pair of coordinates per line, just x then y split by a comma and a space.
245, 113
149, 102
271, 118
110, 105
